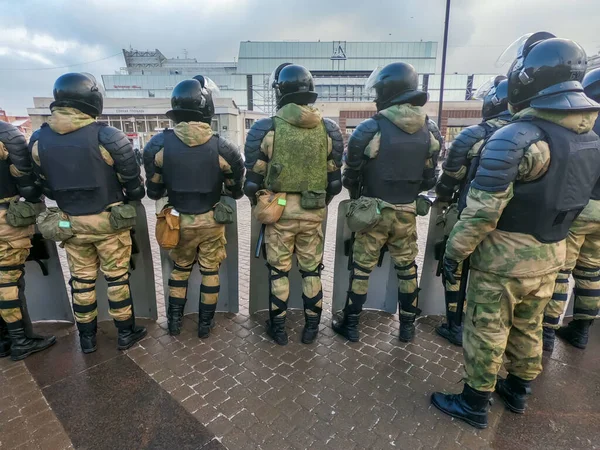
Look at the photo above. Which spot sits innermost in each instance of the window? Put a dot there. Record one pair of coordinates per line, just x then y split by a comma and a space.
249, 123
116, 122
140, 124
214, 124
128, 126
153, 125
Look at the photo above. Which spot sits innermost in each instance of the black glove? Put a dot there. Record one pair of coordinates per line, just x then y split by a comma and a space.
449, 268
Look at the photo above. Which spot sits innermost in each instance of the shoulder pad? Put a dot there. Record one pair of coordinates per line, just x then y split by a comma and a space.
155, 144
363, 133
11, 137
459, 149
337, 140
226, 146
111, 137
500, 158
254, 139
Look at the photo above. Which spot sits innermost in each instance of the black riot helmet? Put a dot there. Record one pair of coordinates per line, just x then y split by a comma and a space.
395, 84
191, 101
591, 84
80, 91
293, 84
495, 101
547, 74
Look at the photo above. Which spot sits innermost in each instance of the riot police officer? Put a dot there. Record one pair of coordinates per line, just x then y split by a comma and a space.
535, 176
191, 165
297, 154
458, 171
391, 158
16, 180
583, 260
90, 170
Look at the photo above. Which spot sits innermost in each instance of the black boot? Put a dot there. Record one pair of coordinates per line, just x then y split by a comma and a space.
129, 333
451, 330
276, 329
514, 392
206, 319
548, 336
347, 325
87, 336
311, 328
4, 339
175, 317
470, 406
22, 345
407, 327
576, 333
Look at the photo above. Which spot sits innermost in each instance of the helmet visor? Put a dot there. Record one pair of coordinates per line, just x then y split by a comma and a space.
99, 86
484, 89
372, 80
513, 51
212, 87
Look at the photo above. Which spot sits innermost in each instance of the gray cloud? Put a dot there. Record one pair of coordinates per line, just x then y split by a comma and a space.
70, 31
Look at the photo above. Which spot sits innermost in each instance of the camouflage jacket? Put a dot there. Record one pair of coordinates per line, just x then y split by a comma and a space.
501, 252
365, 140
193, 134
114, 146
259, 151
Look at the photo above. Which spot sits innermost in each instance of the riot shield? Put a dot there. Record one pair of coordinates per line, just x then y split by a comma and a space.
259, 276
45, 290
141, 278
228, 273
431, 296
383, 283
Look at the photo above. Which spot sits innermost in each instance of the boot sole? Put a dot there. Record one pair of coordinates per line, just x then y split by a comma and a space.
22, 357
131, 344
89, 350
456, 416
568, 341
448, 338
340, 333
406, 340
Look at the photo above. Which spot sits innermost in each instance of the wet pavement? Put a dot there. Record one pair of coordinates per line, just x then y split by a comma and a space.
238, 390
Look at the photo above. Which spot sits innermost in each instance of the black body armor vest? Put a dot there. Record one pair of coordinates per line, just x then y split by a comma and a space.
82, 183
546, 208
8, 188
596, 190
192, 175
395, 175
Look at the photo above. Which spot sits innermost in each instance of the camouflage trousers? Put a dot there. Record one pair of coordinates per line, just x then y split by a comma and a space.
200, 239
111, 254
305, 238
397, 230
452, 306
504, 317
12, 269
583, 261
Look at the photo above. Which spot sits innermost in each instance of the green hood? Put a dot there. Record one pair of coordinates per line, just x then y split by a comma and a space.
302, 116
66, 120
193, 134
408, 118
578, 121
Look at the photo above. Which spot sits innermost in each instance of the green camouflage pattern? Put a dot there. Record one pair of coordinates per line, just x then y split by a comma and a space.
306, 239
583, 251
65, 120
93, 247
201, 240
193, 134
578, 121
398, 230
14, 250
504, 317
293, 146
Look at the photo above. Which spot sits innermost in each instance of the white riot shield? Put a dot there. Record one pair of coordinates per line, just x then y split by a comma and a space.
141, 280
228, 273
259, 276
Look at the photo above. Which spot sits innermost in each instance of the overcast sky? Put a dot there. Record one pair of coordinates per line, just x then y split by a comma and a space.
38, 35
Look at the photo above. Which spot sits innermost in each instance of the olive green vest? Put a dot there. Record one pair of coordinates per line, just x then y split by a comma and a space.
299, 160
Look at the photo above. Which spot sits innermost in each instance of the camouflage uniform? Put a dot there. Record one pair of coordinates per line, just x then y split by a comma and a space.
512, 274
201, 239
298, 230
397, 228
16, 180
95, 244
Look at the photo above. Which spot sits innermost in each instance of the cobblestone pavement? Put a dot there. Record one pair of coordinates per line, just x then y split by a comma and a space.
253, 394
26, 420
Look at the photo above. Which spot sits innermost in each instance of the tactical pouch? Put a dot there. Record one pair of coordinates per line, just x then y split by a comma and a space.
167, 228
363, 213
423, 205
54, 225
223, 213
269, 206
21, 214
122, 217
313, 199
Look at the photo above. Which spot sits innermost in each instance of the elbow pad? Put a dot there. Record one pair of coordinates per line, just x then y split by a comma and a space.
136, 193
334, 183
